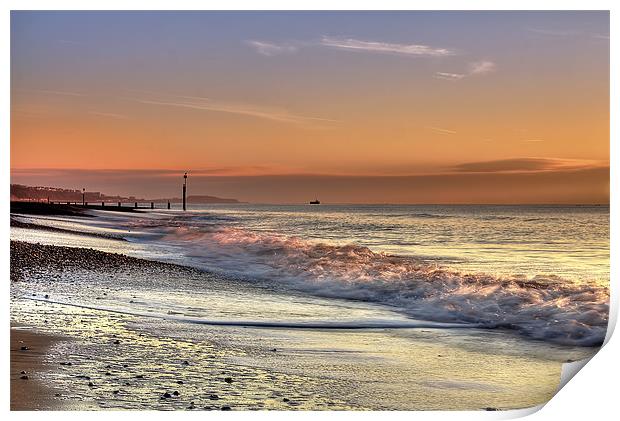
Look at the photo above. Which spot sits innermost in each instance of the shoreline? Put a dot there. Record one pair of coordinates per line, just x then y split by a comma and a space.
130, 374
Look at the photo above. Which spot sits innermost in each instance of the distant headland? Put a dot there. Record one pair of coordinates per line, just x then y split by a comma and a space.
21, 192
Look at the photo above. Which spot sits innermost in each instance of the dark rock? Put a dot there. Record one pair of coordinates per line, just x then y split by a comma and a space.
176, 393
226, 408
228, 380
274, 350
125, 365
286, 400
140, 376
22, 372
116, 342
214, 397
116, 392
491, 409
24, 377
24, 348
107, 373
90, 384
179, 381
46, 296
65, 363
166, 395
185, 362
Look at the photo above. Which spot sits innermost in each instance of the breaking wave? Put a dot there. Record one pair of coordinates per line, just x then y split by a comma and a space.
546, 308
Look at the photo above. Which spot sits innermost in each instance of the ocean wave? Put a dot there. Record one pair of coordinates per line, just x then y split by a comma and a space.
545, 307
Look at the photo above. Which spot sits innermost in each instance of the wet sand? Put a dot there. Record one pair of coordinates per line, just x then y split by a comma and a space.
28, 391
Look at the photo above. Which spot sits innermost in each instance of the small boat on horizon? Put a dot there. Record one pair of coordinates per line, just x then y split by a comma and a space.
315, 202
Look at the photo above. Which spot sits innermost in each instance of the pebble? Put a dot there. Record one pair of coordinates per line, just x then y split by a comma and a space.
166, 395
24, 377
214, 397
22, 372
286, 400
179, 381
228, 380
24, 348
116, 392
226, 408
176, 393
90, 384
116, 342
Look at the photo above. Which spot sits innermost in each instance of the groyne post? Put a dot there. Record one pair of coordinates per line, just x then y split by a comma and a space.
184, 190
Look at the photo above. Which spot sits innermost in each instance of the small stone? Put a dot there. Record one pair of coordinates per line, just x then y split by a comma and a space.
24, 348
185, 362
226, 408
125, 365
65, 363
24, 377
90, 384
274, 350
116, 392
22, 372
228, 380
179, 381
46, 296
107, 373
166, 395
176, 393
490, 409
214, 397
116, 342
286, 400
140, 376
57, 394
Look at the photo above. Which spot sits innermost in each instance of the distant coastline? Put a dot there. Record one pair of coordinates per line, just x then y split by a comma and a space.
20, 192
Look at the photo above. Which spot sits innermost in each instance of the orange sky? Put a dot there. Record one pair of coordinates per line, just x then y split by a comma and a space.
520, 97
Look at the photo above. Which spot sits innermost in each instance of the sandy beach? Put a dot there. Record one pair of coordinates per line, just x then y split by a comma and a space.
108, 362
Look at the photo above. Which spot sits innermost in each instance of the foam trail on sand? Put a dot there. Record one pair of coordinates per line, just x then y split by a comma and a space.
377, 324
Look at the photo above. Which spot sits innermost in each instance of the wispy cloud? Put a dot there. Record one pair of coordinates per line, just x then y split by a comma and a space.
270, 49
440, 130
352, 44
526, 165
349, 44
449, 76
481, 67
262, 112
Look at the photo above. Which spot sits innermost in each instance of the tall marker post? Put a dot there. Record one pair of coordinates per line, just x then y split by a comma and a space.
184, 190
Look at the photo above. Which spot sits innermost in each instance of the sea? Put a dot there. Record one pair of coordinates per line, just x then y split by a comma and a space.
520, 282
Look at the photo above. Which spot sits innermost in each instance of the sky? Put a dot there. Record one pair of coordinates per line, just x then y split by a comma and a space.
283, 107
